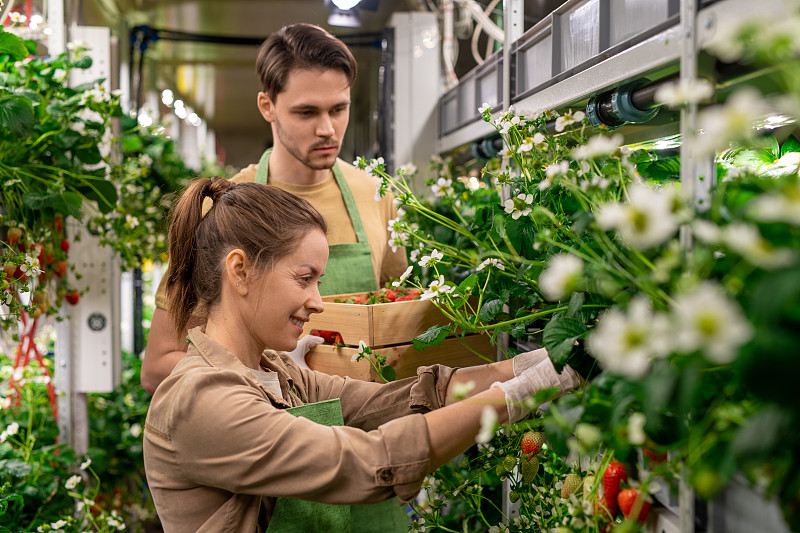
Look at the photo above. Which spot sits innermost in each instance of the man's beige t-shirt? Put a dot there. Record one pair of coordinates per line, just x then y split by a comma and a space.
327, 199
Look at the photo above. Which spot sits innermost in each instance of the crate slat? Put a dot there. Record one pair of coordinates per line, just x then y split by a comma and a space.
403, 358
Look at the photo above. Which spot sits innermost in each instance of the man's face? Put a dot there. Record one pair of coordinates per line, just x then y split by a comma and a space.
310, 115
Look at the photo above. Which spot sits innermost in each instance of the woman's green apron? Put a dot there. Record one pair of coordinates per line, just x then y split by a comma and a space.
349, 265
349, 269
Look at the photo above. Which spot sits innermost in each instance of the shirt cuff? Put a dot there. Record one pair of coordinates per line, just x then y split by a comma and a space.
408, 458
430, 390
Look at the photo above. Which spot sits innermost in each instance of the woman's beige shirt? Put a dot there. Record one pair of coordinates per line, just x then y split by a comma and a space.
219, 447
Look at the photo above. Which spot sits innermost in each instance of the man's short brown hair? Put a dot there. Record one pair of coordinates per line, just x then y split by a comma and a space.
301, 46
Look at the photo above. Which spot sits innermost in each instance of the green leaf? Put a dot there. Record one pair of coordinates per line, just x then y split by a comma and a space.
132, 143
12, 45
575, 304
388, 373
67, 139
559, 337
663, 169
500, 225
90, 155
101, 191
790, 145
16, 468
16, 115
68, 203
490, 309
82, 62
466, 287
34, 97
432, 337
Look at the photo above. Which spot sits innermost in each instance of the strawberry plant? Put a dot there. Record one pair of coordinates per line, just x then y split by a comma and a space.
575, 241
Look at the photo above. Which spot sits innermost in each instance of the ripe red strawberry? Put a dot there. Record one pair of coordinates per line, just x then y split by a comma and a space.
614, 475
72, 297
58, 220
532, 442
633, 505
391, 295
65, 245
358, 300
13, 235
20, 275
327, 336
654, 457
337, 340
60, 268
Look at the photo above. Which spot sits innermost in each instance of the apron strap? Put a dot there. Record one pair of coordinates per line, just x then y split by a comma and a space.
262, 175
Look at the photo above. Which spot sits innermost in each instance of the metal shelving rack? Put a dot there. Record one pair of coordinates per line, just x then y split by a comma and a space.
584, 49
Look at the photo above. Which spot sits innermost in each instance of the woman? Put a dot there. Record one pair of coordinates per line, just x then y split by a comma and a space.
219, 444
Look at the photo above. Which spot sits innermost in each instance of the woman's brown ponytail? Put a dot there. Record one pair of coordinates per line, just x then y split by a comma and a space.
264, 221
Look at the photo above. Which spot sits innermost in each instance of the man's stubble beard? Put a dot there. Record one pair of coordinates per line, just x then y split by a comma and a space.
297, 154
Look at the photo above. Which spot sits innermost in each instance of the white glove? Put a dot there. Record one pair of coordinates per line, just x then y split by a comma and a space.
304, 346
534, 372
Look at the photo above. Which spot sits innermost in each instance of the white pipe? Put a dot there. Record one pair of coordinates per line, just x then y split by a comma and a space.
448, 45
476, 34
476, 10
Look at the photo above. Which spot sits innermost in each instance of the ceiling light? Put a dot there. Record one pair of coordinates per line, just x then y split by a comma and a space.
347, 18
344, 5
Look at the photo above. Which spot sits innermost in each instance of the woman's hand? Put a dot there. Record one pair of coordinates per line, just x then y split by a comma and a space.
534, 372
304, 346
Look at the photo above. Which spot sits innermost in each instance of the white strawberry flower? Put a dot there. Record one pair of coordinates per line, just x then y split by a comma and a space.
561, 277
569, 118
731, 121
443, 187
462, 390
684, 92
483, 109
598, 145
31, 266
783, 206
491, 261
436, 287
403, 277
430, 260
408, 169
526, 146
707, 319
562, 167
647, 221
72, 482
636, 434
488, 425
625, 343
520, 205
746, 240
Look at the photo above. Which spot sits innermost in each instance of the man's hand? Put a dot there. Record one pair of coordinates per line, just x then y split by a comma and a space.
304, 346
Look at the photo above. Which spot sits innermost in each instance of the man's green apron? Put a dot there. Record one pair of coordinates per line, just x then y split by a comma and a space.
349, 265
349, 269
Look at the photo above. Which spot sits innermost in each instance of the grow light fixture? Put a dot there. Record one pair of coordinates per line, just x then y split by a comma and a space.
346, 5
347, 18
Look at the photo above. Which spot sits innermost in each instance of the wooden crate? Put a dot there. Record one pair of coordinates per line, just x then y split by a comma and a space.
404, 358
375, 324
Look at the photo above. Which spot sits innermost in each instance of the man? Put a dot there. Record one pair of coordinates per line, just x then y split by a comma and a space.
306, 75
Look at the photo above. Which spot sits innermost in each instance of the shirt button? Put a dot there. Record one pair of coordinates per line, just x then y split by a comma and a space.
385, 475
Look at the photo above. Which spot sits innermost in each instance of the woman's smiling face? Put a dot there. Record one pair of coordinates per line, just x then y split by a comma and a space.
285, 296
